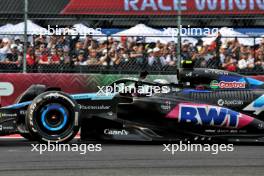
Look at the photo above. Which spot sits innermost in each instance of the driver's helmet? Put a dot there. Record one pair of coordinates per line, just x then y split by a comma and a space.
166, 88
161, 81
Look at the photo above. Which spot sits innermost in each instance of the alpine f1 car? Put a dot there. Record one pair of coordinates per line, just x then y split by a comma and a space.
205, 104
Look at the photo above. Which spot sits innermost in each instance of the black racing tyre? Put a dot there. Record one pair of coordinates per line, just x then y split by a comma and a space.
28, 136
28, 95
53, 117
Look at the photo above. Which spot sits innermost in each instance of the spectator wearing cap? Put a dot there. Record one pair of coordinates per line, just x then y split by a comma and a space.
157, 55
151, 57
17, 40
19, 44
81, 59
154, 58
223, 53
15, 57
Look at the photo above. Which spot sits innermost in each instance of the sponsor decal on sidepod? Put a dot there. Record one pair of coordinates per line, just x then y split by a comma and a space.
116, 132
222, 102
202, 114
166, 105
227, 85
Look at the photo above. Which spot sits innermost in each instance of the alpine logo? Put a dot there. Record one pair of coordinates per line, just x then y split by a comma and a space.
257, 106
227, 85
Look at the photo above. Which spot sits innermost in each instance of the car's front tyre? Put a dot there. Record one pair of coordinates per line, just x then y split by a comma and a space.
53, 116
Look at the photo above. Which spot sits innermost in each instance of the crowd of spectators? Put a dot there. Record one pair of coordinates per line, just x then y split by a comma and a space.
133, 51
231, 56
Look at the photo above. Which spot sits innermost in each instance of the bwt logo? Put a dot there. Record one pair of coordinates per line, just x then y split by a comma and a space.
209, 115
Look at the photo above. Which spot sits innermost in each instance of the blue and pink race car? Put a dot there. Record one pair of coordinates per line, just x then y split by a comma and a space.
205, 105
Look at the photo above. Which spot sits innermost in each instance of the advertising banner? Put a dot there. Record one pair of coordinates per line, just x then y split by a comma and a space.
165, 7
136, 7
13, 85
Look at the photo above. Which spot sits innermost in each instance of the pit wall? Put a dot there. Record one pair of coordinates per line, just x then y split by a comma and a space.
70, 83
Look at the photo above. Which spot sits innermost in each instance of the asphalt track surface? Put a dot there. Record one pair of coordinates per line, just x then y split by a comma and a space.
16, 158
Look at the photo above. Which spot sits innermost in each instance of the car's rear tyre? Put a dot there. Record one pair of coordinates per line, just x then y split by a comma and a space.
28, 136
53, 116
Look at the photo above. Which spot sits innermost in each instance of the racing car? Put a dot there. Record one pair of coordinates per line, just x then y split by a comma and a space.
204, 105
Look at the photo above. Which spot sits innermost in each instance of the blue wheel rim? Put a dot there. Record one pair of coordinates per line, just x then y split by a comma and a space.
54, 107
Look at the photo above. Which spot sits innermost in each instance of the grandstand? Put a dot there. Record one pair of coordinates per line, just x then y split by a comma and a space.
109, 51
